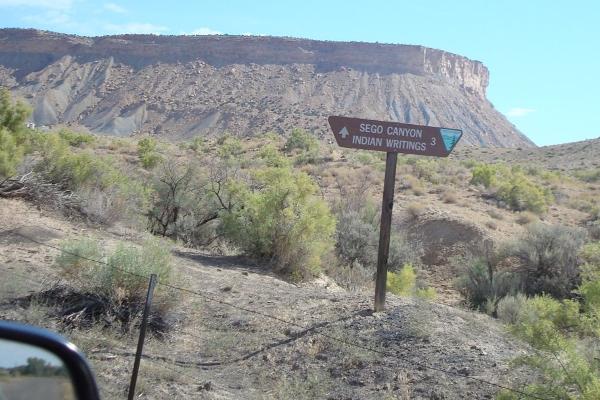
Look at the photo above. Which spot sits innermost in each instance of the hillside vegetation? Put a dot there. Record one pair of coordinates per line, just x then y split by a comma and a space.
516, 241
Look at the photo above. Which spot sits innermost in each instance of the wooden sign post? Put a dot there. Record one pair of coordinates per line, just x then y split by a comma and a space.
393, 138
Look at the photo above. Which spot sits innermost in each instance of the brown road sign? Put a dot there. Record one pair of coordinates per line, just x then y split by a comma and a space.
394, 137
391, 137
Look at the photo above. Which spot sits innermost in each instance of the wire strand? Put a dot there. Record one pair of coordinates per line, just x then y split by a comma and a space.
286, 322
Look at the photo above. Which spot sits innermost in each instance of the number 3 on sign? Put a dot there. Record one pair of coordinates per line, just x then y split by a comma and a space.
433, 141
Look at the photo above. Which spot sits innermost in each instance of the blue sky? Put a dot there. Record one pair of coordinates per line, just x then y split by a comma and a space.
543, 56
15, 354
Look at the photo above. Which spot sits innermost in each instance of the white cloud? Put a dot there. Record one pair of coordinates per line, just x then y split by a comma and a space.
135, 27
48, 4
519, 112
52, 17
204, 31
113, 7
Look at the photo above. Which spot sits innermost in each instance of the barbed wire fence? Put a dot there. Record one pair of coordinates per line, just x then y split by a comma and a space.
237, 349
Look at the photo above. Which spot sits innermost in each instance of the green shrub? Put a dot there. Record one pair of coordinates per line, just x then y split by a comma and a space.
76, 139
114, 288
403, 282
278, 218
119, 202
271, 137
147, 153
364, 157
590, 175
15, 138
272, 157
590, 276
469, 163
301, 140
198, 144
356, 229
591, 254
564, 336
510, 308
519, 193
130, 267
593, 224
483, 286
229, 147
59, 164
307, 145
483, 174
106, 192
125, 278
552, 176
357, 235
548, 258
401, 251
565, 370
545, 314
13, 116
427, 169
426, 293
512, 187
307, 157
78, 262
356, 238
10, 154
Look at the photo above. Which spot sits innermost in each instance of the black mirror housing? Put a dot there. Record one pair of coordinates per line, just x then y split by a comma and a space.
83, 381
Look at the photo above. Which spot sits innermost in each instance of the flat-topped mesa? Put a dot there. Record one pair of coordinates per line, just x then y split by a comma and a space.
30, 50
186, 86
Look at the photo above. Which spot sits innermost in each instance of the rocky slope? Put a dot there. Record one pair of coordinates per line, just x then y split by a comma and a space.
333, 348
182, 86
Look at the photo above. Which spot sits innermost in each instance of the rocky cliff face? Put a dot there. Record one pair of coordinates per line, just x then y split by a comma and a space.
182, 86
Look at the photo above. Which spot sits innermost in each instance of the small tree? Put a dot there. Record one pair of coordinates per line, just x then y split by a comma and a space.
172, 194
13, 134
10, 154
186, 200
147, 152
13, 116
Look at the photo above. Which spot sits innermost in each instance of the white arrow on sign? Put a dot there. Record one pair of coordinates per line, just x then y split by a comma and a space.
343, 133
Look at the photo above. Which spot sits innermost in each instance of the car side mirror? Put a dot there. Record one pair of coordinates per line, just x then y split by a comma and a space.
38, 364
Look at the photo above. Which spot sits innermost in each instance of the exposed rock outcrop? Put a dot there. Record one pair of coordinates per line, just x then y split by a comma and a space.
182, 86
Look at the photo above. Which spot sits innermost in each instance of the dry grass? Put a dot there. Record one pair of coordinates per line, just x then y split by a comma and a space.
415, 210
495, 214
449, 196
525, 218
492, 225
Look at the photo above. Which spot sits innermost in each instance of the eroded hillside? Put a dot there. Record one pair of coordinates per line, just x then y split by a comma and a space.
180, 87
